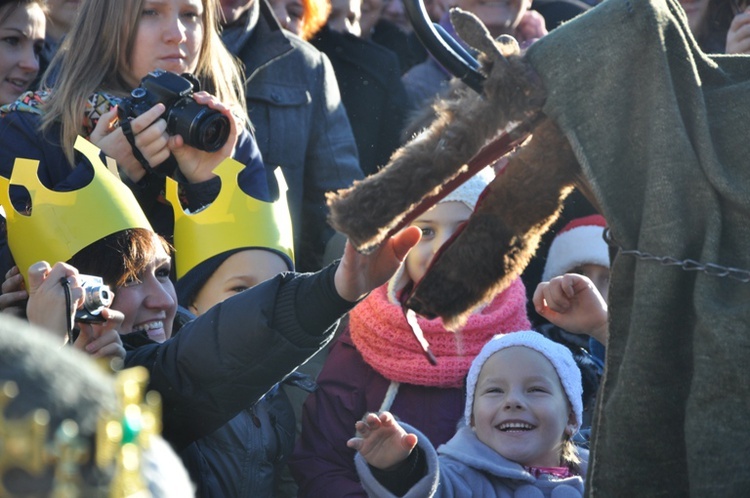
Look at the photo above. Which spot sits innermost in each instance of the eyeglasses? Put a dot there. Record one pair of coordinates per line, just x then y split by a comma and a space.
739, 6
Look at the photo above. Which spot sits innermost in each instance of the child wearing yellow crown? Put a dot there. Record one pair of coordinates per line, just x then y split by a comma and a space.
227, 358
95, 72
246, 455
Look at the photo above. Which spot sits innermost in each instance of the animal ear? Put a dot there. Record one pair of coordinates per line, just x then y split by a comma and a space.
471, 30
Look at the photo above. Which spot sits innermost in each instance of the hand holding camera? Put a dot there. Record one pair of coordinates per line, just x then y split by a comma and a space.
88, 305
198, 165
199, 125
167, 115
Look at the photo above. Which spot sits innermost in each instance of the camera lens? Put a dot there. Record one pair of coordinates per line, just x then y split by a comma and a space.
199, 125
96, 298
212, 132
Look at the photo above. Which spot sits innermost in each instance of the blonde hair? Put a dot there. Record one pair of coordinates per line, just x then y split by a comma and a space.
94, 57
569, 456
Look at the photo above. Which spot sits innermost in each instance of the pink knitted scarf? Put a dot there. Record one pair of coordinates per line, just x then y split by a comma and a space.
379, 331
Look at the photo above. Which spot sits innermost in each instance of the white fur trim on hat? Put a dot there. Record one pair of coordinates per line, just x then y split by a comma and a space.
575, 247
557, 354
469, 191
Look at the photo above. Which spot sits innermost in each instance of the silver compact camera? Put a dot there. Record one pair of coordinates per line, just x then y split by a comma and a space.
96, 297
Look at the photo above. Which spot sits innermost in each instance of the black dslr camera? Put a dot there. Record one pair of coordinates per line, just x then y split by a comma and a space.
199, 125
96, 297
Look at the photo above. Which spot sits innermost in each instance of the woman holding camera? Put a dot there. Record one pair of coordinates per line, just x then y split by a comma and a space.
111, 48
229, 357
222, 362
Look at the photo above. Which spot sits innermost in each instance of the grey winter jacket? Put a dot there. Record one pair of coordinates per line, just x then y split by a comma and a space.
468, 468
300, 124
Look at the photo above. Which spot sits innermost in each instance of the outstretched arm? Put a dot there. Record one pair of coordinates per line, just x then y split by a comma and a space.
572, 302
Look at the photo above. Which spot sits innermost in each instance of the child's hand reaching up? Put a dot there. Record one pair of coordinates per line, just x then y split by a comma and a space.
381, 441
572, 302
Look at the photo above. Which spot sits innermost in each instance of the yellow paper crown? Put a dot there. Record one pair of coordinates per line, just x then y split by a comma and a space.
233, 221
62, 223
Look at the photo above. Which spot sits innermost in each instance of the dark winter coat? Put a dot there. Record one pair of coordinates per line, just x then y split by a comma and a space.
372, 93
245, 456
228, 358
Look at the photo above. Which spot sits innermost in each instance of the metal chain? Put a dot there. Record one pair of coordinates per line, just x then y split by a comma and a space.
711, 269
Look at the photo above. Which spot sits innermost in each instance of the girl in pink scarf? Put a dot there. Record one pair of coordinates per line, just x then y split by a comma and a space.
377, 364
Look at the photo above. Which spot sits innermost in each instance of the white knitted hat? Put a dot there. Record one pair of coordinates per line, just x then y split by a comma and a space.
580, 242
468, 193
560, 357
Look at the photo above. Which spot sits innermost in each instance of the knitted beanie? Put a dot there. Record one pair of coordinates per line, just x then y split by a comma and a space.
580, 242
192, 282
468, 193
557, 354
188, 287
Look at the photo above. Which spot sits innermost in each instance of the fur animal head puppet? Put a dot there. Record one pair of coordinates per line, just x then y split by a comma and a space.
502, 235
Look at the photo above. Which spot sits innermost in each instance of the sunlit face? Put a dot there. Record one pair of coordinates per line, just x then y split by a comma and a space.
696, 12
232, 10
500, 16
150, 304
21, 41
598, 274
345, 15
61, 15
437, 225
290, 14
238, 272
520, 408
169, 37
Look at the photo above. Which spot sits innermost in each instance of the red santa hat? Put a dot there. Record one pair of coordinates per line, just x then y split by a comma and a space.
580, 242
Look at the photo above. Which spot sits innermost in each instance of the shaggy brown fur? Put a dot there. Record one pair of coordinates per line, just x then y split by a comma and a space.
503, 233
369, 209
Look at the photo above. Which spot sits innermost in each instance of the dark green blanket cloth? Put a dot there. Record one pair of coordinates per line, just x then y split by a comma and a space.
662, 133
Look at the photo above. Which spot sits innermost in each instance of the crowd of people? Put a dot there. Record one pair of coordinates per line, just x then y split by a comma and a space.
181, 151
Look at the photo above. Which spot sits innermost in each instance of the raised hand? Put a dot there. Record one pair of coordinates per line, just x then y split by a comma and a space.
381, 441
572, 302
47, 303
358, 274
738, 35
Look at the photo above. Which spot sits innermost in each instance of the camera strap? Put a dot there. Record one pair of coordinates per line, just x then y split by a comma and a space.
72, 336
128, 132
